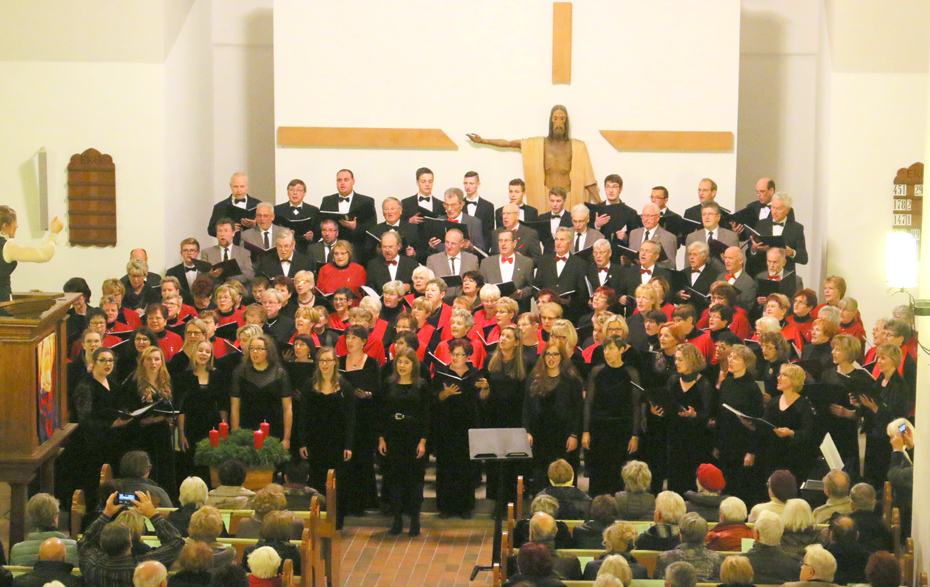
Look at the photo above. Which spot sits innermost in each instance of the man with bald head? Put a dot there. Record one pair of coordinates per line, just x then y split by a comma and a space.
734, 261
759, 209
239, 206
150, 574
50, 566
390, 265
851, 557
651, 231
543, 529
527, 238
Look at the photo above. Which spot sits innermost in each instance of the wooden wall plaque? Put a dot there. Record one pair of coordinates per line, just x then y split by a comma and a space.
92, 199
908, 200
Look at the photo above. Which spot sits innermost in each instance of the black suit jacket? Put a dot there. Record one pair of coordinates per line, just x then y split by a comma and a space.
571, 279
285, 216
527, 242
702, 284
179, 272
378, 274
409, 208
362, 209
565, 220
694, 213
794, 238
270, 265
618, 278
407, 231
225, 209
530, 214
633, 278
751, 211
484, 212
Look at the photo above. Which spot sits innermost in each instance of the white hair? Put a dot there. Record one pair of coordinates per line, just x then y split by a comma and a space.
264, 562
830, 313
768, 324
733, 509
616, 566
372, 304
770, 528
784, 198
193, 490
821, 561
671, 506
424, 271
607, 580
581, 208
893, 427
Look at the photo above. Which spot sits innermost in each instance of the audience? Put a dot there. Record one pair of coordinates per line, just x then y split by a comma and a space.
618, 540
883, 570
736, 571
818, 569
42, 517
635, 502
616, 566
231, 575
150, 574
206, 525
268, 499
276, 533
134, 469
663, 534
542, 531
800, 530
874, 535
770, 563
680, 574
836, 488
851, 557
231, 495
731, 528
192, 497
573, 502
263, 565
550, 506
707, 499
535, 567
782, 486
194, 564
50, 565
591, 533
692, 550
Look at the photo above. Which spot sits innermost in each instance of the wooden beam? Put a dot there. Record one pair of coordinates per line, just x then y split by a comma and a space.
562, 42
366, 138
665, 140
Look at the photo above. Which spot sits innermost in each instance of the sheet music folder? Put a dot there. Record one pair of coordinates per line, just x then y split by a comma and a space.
498, 444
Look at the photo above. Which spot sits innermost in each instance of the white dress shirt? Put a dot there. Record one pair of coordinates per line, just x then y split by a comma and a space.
343, 205
555, 222
506, 268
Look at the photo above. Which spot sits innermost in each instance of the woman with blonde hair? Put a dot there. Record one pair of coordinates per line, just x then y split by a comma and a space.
736, 571
227, 298
647, 299
618, 541
734, 443
201, 400
800, 527
842, 420
341, 272
636, 502
150, 387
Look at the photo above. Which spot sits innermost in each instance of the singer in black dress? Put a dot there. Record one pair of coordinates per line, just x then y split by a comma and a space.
553, 412
611, 419
658, 368
261, 391
791, 444
842, 420
202, 403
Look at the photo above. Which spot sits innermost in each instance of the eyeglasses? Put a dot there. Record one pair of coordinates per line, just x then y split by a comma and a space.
106, 361
327, 361
553, 355
459, 355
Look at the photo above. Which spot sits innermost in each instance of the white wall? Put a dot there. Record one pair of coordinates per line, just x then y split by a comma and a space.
485, 67
117, 108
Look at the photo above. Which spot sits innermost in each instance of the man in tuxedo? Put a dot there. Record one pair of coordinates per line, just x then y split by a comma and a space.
779, 224
286, 261
322, 251
391, 210
264, 234
619, 218
277, 326
414, 208
648, 257
453, 261
788, 281
516, 191
759, 209
710, 218
734, 260
225, 250
391, 265
707, 192
583, 237
699, 276
509, 265
557, 215
185, 272
477, 206
527, 238
359, 208
297, 215
563, 272
613, 275
239, 206
651, 231
454, 202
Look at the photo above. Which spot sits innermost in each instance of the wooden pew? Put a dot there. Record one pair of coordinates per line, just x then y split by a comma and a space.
907, 565
886, 504
898, 548
78, 511
520, 489
106, 473
287, 574
496, 577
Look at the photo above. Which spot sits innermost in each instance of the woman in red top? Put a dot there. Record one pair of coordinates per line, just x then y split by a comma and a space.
341, 272
803, 319
441, 312
724, 293
776, 306
462, 327
486, 315
421, 276
227, 300
156, 318
849, 324
342, 299
472, 282
422, 308
507, 310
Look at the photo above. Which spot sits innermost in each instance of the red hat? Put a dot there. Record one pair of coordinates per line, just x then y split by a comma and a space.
710, 478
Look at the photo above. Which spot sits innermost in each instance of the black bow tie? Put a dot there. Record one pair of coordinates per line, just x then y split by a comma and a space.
190, 269
423, 198
345, 199
238, 200
782, 224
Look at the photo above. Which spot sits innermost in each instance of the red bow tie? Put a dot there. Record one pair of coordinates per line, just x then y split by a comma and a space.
774, 277
729, 277
645, 271
558, 258
455, 221
507, 260
394, 262
604, 269
515, 231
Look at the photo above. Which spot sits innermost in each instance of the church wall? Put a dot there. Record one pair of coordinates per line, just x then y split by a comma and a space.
485, 67
117, 108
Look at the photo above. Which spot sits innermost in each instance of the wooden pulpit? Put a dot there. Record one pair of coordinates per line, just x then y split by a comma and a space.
34, 416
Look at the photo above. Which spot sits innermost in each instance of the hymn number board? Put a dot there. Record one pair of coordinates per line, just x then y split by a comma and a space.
908, 200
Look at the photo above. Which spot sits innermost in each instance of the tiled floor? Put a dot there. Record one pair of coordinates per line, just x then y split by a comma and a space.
439, 556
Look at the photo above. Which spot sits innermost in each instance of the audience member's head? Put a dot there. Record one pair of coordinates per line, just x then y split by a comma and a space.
193, 491
732, 511
619, 537
768, 529
150, 574
542, 528
232, 473
602, 580
135, 464
863, 497
115, 540
818, 565
52, 549
534, 560
196, 557
710, 479
561, 473
604, 509
782, 486
42, 512
680, 574
276, 526
231, 575
843, 530
206, 524
797, 515
883, 570
268, 499
297, 472
693, 528
836, 484
636, 476
264, 562
132, 521
546, 504
670, 507
617, 566
736, 570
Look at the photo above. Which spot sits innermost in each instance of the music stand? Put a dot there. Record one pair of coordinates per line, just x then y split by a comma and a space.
500, 445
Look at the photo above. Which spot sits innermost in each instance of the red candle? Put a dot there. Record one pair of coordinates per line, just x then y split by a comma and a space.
259, 439
224, 430
214, 438
266, 429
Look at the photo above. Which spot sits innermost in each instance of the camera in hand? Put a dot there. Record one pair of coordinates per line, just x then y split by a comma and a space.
125, 498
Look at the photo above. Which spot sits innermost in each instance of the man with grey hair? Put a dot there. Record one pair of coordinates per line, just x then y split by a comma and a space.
652, 231
543, 530
706, 563
873, 534
680, 574
452, 261
711, 230
150, 574
785, 282
527, 238
697, 277
780, 224
770, 564
547, 505
454, 204
734, 263
263, 235
836, 488
286, 261
42, 515
584, 236
817, 571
